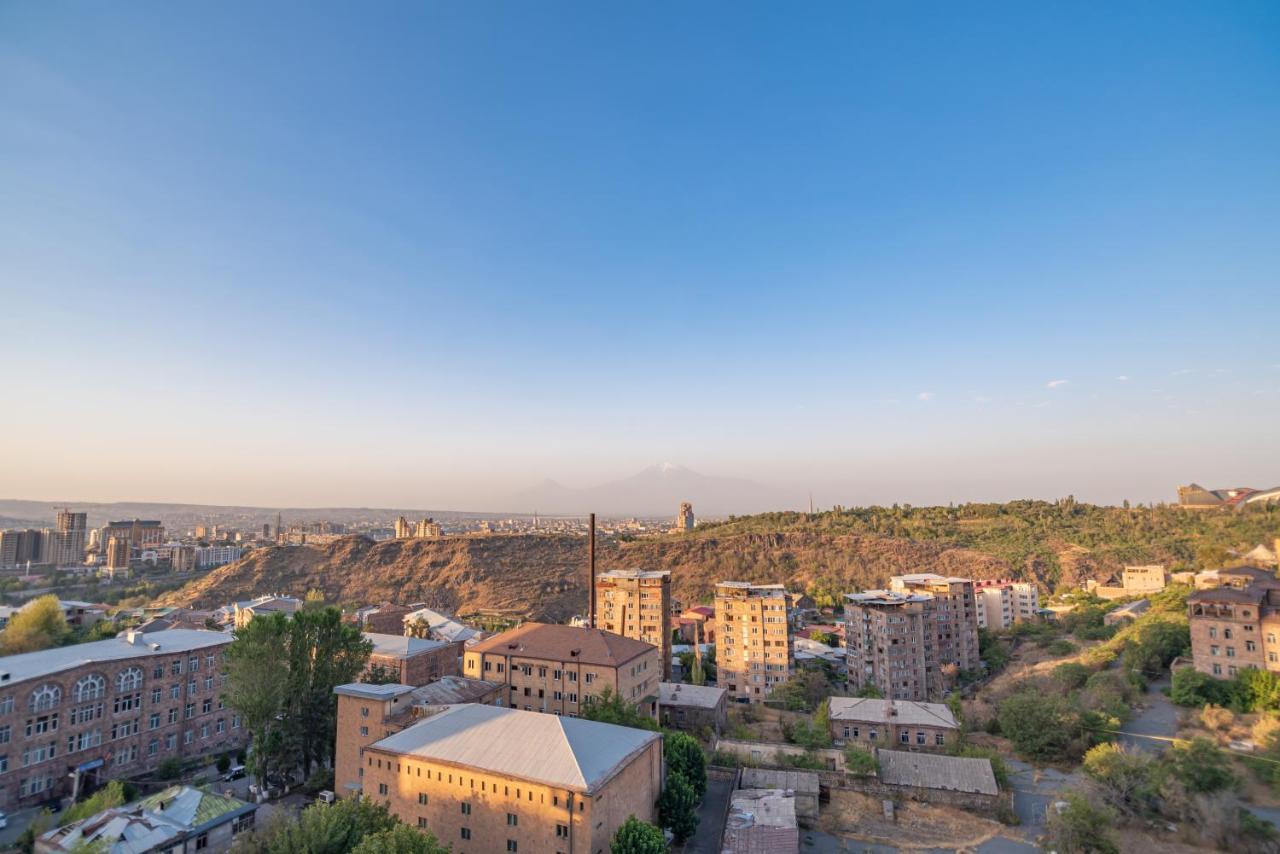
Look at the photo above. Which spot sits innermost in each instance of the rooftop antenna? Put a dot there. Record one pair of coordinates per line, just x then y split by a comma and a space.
591, 561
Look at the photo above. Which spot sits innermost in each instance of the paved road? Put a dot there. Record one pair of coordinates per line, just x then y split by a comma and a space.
1159, 717
711, 817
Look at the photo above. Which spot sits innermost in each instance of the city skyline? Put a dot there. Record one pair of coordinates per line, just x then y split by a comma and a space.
433, 256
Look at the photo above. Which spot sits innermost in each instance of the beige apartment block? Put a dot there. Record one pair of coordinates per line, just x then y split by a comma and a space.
557, 669
954, 616
1236, 624
753, 647
637, 604
491, 779
999, 603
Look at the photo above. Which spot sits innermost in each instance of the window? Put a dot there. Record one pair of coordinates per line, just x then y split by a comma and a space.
45, 697
89, 687
153, 722
157, 672
202, 841
1226, 633
466, 807
422, 822
511, 845
382, 788
939, 739
364, 731
562, 831
129, 680
155, 695
422, 798
464, 832
512, 819
904, 737
919, 738
364, 711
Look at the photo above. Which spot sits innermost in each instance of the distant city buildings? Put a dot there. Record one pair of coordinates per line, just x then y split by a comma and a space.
423, 529
637, 604
207, 557
753, 646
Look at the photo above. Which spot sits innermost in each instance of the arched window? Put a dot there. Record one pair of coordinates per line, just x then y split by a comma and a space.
89, 687
129, 680
45, 697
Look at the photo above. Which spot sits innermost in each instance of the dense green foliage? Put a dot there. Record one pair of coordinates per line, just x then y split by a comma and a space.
347, 825
610, 708
281, 673
1251, 690
678, 807
39, 625
1201, 767
860, 761
685, 757
638, 837
805, 691
113, 794
1029, 533
1041, 726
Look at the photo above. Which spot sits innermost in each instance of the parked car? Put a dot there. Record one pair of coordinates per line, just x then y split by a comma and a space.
236, 773
4, 821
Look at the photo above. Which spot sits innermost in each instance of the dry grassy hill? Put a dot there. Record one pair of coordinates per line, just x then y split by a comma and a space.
544, 577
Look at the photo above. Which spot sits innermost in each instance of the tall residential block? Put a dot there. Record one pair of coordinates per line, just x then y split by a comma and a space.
911, 642
637, 604
140, 533
559, 669
753, 639
490, 779
999, 603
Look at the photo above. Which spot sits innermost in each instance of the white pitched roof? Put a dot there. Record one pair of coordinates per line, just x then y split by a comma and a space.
558, 751
400, 646
442, 624
909, 713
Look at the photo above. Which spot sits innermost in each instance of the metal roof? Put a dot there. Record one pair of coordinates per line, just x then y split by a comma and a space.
400, 646
571, 753
553, 642
698, 696
907, 712
33, 665
935, 771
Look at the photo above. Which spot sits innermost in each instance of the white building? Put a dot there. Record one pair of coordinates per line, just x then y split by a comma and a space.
1002, 602
207, 556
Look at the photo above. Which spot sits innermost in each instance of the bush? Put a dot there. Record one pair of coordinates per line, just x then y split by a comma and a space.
638, 837
1041, 726
1128, 778
1201, 767
1081, 826
685, 757
678, 808
1072, 675
860, 761
321, 780
1217, 718
223, 764
1062, 647
170, 769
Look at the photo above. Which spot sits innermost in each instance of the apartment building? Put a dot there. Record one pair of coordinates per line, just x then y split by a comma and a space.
954, 616
753, 646
912, 641
140, 533
557, 669
20, 547
486, 779
637, 604
896, 724
368, 713
413, 661
1236, 624
1001, 602
109, 709
246, 611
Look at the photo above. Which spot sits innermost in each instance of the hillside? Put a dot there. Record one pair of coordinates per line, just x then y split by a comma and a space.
545, 576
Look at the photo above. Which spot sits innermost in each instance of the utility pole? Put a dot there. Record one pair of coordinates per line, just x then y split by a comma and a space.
591, 562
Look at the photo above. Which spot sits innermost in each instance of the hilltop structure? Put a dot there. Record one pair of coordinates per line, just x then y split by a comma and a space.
1196, 497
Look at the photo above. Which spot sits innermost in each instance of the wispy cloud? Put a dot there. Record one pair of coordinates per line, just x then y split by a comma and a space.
1056, 383
1181, 372
1122, 379
925, 396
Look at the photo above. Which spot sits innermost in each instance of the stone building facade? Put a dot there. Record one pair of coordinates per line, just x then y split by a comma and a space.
753, 639
1237, 624
637, 604
414, 661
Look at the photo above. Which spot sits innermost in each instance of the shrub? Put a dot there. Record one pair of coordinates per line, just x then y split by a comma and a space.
1081, 826
860, 761
678, 807
1071, 675
1217, 718
685, 757
638, 837
170, 769
1040, 725
1062, 647
223, 764
1201, 767
1127, 777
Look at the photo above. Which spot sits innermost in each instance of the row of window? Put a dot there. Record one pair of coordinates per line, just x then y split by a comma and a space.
904, 736
93, 686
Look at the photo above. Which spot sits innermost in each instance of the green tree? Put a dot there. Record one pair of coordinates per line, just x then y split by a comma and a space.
860, 761
1040, 725
401, 839
40, 624
1072, 675
1201, 767
314, 600
685, 757
1127, 777
610, 708
678, 808
828, 638
257, 688
638, 837
376, 674
322, 828
1081, 827
804, 691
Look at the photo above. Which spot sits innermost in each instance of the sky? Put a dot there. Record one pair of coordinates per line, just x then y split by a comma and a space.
425, 254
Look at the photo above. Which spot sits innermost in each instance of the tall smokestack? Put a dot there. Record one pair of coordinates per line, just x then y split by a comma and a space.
591, 561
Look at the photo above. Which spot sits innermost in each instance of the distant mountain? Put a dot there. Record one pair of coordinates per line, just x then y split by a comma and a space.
656, 491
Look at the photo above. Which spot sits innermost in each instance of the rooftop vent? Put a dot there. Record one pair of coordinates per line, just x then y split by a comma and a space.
4, 676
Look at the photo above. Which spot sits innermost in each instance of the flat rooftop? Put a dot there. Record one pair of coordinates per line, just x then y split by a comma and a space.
634, 573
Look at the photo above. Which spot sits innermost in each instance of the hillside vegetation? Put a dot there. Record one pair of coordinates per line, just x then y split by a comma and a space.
545, 577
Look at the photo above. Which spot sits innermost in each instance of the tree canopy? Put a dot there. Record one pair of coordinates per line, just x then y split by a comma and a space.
38, 625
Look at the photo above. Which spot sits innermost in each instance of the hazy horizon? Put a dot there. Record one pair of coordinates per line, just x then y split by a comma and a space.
429, 255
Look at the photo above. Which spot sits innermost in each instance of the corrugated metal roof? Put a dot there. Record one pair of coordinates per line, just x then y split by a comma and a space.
681, 694
33, 665
401, 646
572, 753
908, 712
566, 643
935, 771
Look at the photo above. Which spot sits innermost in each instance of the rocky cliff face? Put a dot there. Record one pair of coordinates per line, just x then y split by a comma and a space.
545, 577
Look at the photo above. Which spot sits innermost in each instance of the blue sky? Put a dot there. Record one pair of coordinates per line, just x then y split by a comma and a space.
429, 254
